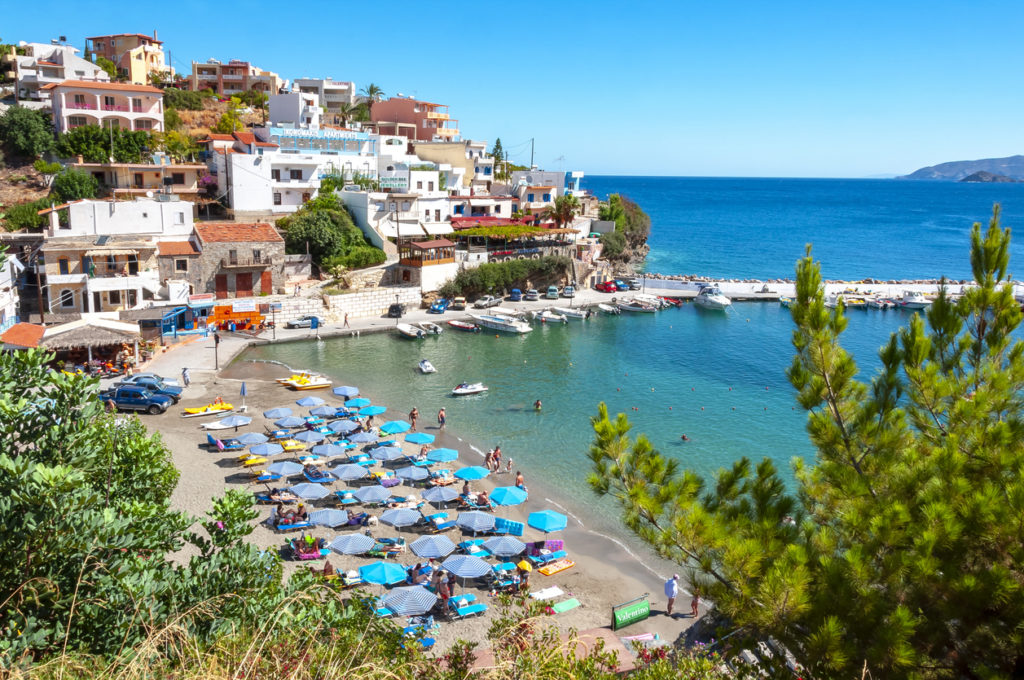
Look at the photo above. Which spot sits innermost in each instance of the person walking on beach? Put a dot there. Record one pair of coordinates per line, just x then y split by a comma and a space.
671, 592
186, 377
346, 321
413, 415
695, 602
441, 419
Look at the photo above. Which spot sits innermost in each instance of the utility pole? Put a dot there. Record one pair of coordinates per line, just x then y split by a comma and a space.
531, 153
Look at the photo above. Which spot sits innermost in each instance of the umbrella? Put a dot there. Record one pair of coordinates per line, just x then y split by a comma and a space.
310, 437
268, 450
395, 427
387, 453
323, 411
372, 494
472, 472
357, 403
363, 438
250, 438
243, 392
349, 472
346, 391
419, 438
508, 495
342, 426
503, 546
413, 473
310, 401
235, 421
525, 566
285, 468
372, 410
384, 573
433, 546
475, 521
329, 518
279, 412
440, 494
400, 517
409, 601
442, 455
289, 421
466, 566
310, 492
329, 450
351, 544
547, 520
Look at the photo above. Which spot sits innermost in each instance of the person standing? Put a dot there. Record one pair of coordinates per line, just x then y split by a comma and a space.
413, 415
186, 377
441, 419
346, 321
497, 458
671, 592
695, 603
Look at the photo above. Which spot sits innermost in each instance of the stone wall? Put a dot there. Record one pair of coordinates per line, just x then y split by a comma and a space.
370, 303
213, 253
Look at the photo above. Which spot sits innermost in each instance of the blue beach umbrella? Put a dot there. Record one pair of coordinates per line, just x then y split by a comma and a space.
442, 455
235, 421
412, 473
349, 472
466, 566
310, 437
310, 401
387, 453
364, 438
250, 438
472, 473
508, 495
547, 521
504, 546
266, 450
433, 547
372, 494
285, 468
342, 426
401, 517
440, 494
372, 410
346, 391
357, 403
351, 544
309, 491
419, 438
279, 412
475, 521
409, 601
323, 411
243, 392
395, 427
382, 573
330, 517
329, 450
289, 422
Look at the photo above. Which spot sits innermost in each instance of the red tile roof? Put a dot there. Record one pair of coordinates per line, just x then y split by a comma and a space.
427, 245
95, 85
245, 137
23, 335
216, 137
169, 248
128, 35
228, 232
266, 144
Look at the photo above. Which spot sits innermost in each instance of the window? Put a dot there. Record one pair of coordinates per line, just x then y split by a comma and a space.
114, 297
76, 121
139, 182
256, 255
405, 206
295, 174
67, 298
179, 218
277, 199
426, 215
63, 264
430, 186
547, 198
178, 177
86, 264
529, 198
108, 101
233, 256
136, 104
79, 98
111, 263
419, 184
275, 175
460, 210
437, 215
181, 265
497, 208
392, 206
143, 125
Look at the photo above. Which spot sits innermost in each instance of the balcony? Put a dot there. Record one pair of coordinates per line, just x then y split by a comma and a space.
81, 105
434, 115
232, 76
246, 262
147, 280
446, 132
115, 107
286, 183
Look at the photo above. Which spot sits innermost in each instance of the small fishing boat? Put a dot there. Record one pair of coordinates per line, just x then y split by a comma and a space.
652, 300
636, 306
548, 316
208, 410
430, 327
880, 303
502, 323
469, 388
311, 382
855, 303
608, 309
786, 302
571, 312
712, 297
464, 326
426, 367
913, 299
410, 331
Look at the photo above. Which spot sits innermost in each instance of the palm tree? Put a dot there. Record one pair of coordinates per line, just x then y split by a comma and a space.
347, 112
372, 94
564, 210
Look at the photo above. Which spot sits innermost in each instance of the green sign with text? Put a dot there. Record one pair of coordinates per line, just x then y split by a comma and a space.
630, 612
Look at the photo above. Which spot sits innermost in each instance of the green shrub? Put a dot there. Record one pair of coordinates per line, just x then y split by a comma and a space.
614, 244
495, 277
182, 100
26, 132
172, 121
92, 143
72, 184
25, 215
363, 256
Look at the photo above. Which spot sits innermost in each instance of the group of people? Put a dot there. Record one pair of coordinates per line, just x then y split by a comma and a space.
493, 460
291, 515
672, 591
414, 415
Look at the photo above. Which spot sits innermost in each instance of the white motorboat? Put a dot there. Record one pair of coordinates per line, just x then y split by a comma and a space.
832, 301
913, 299
426, 367
430, 327
571, 312
652, 300
502, 323
510, 313
608, 309
411, 331
548, 316
636, 306
469, 388
712, 297
880, 303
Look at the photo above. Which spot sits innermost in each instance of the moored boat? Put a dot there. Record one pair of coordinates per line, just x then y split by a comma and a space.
295, 376
311, 382
430, 327
464, 326
608, 309
785, 301
410, 331
636, 306
571, 312
712, 297
426, 367
548, 316
469, 388
880, 303
913, 299
502, 323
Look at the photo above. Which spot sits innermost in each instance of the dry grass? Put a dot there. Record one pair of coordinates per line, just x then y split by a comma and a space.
198, 123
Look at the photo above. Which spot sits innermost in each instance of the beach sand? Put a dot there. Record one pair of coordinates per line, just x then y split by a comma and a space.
605, 574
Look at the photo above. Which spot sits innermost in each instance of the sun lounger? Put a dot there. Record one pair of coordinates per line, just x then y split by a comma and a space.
384, 612
262, 476
292, 445
390, 482
324, 478
254, 460
345, 498
507, 526
266, 499
314, 421
466, 545
557, 566
228, 445
467, 610
548, 593
564, 606
279, 434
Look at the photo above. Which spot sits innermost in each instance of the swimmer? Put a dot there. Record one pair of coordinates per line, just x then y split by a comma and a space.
685, 438
537, 405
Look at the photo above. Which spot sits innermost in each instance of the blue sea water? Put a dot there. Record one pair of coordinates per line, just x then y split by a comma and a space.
719, 378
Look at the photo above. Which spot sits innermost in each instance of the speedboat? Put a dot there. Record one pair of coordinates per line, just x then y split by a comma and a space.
880, 303
464, 326
549, 316
510, 313
430, 327
469, 388
426, 367
608, 309
636, 306
311, 382
711, 297
410, 331
855, 303
913, 299
652, 300
502, 323
571, 312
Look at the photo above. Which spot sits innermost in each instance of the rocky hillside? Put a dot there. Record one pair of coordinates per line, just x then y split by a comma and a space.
982, 176
953, 171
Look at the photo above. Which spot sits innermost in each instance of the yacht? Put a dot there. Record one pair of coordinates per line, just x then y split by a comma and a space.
913, 299
711, 297
501, 323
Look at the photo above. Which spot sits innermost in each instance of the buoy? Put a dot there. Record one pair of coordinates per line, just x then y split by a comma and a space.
496, 335
618, 389
669, 408
627, 374
652, 389
693, 389
765, 408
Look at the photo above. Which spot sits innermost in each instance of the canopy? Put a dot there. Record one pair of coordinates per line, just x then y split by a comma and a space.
409, 601
329, 450
349, 472
504, 546
475, 521
279, 412
440, 494
387, 453
372, 410
285, 468
395, 427
442, 455
383, 573
363, 438
508, 495
342, 426
351, 544
346, 391
466, 566
329, 518
547, 520
235, 421
372, 494
310, 491
289, 422
400, 517
419, 438
310, 401
323, 411
472, 472
433, 547
270, 449
250, 438
357, 403
310, 437
413, 473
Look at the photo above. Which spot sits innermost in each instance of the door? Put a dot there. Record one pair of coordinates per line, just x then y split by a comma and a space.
266, 283
220, 286
243, 285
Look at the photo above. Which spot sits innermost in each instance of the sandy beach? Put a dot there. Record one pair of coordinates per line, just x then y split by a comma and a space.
605, 573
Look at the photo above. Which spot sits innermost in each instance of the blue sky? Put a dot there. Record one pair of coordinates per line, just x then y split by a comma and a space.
806, 89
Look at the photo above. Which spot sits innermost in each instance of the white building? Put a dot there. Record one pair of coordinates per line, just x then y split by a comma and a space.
296, 110
9, 292
393, 216
333, 94
44, 64
120, 105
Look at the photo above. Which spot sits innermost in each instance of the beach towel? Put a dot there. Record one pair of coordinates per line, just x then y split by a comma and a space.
564, 606
549, 593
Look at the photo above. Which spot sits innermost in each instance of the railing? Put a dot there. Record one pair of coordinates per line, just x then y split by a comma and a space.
115, 107
434, 115
261, 261
81, 105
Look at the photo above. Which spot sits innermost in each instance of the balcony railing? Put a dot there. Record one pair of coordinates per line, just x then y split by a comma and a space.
434, 115
115, 107
240, 262
81, 105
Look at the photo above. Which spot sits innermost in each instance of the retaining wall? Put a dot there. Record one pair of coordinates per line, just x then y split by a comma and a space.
370, 303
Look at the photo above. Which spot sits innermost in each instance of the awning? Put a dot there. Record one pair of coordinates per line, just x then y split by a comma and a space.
436, 228
111, 251
389, 229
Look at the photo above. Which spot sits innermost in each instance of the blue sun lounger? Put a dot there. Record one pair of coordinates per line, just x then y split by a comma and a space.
464, 606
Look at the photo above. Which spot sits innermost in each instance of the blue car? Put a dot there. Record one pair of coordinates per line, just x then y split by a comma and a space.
621, 285
440, 307
154, 385
516, 296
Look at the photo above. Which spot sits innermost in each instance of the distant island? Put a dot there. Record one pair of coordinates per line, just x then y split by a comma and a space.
983, 176
1009, 168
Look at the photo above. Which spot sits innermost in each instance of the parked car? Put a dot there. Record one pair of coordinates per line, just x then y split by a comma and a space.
305, 322
516, 295
135, 398
154, 385
396, 310
621, 285
552, 293
132, 379
569, 291
440, 306
487, 301
635, 284
607, 287
532, 295
458, 303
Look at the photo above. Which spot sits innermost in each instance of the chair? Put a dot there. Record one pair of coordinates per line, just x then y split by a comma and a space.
462, 612
507, 526
345, 497
292, 445
323, 478
229, 445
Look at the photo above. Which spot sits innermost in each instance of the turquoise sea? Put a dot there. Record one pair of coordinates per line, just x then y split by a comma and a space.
718, 378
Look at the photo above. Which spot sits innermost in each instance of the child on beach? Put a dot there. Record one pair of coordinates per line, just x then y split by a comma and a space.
508, 467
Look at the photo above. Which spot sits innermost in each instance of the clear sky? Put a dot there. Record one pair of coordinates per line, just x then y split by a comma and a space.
806, 89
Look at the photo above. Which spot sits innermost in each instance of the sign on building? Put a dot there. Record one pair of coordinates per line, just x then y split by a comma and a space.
242, 306
394, 182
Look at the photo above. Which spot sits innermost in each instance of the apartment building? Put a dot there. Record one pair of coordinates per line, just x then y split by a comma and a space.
233, 77
477, 168
137, 56
140, 179
333, 94
419, 120
46, 64
120, 105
